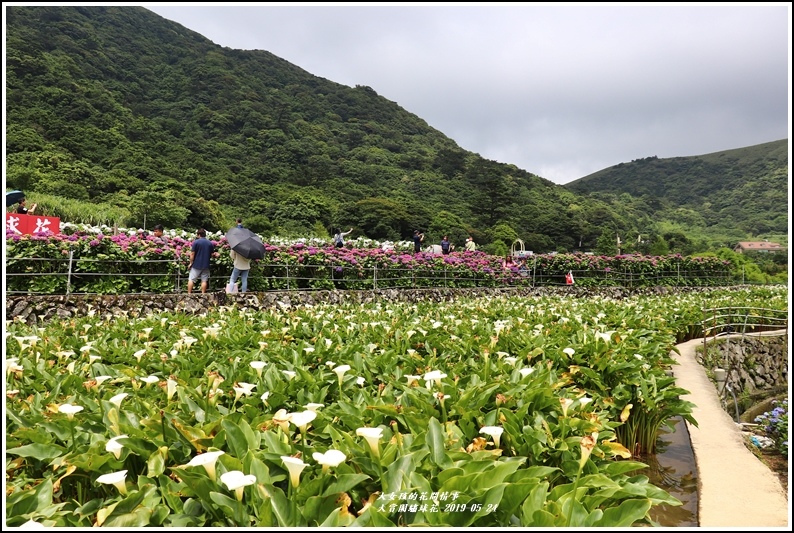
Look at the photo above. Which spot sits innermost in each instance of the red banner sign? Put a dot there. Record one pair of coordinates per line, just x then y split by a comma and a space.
30, 224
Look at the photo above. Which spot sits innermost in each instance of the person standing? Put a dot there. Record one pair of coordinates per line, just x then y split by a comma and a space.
22, 210
242, 265
470, 246
339, 237
445, 246
200, 252
418, 238
239, 222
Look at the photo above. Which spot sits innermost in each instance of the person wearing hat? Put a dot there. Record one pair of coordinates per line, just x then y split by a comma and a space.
22, 210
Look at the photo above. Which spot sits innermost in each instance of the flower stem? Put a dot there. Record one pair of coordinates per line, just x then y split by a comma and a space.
573, 494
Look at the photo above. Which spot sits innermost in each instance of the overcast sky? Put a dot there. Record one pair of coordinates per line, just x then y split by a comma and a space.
559, 90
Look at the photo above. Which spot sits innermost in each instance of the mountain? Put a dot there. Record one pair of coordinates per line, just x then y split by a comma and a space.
745, 188
143, 120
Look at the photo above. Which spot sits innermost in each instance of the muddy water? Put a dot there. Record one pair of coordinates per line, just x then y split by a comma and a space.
673, 469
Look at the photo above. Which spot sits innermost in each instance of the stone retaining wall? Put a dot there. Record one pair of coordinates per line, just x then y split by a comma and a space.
38, 309
756, 365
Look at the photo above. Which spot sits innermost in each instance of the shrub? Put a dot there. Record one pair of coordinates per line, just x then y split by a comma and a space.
775, 424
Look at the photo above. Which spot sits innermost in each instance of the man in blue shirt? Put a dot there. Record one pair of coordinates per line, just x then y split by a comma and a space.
200, 252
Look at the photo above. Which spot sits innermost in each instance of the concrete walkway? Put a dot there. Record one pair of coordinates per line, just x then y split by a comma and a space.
735, 489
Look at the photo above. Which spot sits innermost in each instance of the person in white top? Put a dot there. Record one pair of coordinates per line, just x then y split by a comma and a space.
241, 267
339, 237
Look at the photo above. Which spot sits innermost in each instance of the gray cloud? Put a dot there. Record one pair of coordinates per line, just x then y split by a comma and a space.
562, 90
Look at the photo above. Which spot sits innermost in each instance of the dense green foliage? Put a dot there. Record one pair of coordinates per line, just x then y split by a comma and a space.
117, 106
523, 412
734, 192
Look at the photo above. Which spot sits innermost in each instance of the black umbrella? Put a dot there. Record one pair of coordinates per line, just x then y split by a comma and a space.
246, 243
13, 197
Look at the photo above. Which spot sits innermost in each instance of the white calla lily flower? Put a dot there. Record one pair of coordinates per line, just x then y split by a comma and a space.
258, 366
207, 460
170, 388
433, 376
493, 431
329, 459
69, 409
118, 398
237, 481
115, 447
340, 372
295, 466
525, 371
302, 419
32, 524
412, 379
372, 436
116, 479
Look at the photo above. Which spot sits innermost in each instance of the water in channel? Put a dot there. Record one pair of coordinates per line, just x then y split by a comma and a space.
673, 469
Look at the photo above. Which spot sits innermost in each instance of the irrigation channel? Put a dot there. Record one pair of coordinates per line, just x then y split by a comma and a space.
673, 469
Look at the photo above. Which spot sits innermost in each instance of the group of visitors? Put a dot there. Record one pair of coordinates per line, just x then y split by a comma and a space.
202, 249
446, 246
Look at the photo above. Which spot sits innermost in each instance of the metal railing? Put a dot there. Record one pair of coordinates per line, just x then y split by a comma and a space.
72, 275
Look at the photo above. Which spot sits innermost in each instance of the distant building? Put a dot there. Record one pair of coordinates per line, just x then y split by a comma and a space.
758, 246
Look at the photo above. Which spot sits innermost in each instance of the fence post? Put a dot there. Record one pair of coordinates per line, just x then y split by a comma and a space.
375, 277
69, 276
534, 269
177, 281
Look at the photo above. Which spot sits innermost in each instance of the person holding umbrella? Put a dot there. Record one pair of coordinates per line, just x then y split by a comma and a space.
200, 252
242, 265
245, 246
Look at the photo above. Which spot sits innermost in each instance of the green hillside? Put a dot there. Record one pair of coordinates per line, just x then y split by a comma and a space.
139, 121
745, 188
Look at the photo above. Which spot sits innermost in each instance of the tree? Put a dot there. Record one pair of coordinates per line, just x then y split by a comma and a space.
502, 238
206, 214
449, 224
607, 243
378, 218
492, 191
297, 213
659, 246
148, 208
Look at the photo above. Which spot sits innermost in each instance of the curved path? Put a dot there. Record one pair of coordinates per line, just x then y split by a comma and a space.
735, 489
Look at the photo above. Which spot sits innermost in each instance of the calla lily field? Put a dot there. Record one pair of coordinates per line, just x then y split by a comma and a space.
482, 412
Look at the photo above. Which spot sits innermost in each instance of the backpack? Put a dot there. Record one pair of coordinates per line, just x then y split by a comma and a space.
338, 241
